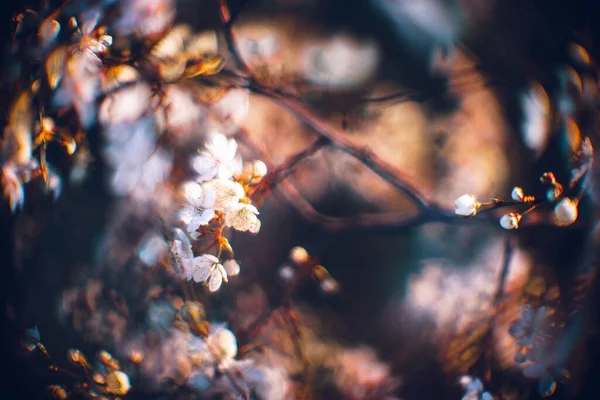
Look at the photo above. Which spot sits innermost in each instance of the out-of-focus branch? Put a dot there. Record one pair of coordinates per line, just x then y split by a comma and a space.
230, 37
338, 139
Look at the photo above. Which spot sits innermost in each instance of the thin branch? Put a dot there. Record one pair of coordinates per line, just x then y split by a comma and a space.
339, 140
230, 37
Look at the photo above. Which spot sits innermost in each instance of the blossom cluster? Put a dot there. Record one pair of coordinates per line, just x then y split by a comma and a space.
215, 199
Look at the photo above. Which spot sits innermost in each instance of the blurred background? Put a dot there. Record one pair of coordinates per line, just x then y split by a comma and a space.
441, 90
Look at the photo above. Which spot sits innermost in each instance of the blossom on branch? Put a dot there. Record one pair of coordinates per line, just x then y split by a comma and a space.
466, 205
198, 211
218, 160
207, 268
243, 217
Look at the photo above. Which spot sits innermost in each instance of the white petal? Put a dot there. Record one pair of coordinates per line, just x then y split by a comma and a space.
193, 193
211, 258
231, 150
209, 196
186, 214
201, 272
205, 165
217, 145
215, 280
205, 217
232, 267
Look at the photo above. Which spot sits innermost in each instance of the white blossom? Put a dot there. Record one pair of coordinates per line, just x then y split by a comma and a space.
466, 205
565, 212
151, 249
223, 341
207, 268
517, 194
243, 217
218, 159
198, 211
228, 193
510, 221
181, 250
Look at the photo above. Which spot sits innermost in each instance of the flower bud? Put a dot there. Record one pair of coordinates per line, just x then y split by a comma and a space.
517, 194
565, 212
117, 383
299, 255
48, 125
510, 221
548, 178
554, 192
466, 205
259, 169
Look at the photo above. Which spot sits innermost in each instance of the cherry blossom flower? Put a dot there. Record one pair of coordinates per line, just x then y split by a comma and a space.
342, 62
181, 250
223, 341
232, 109
228, 193
125, 105
207, 268
218, 160
466, 205
198, 211
243, 217
152, 248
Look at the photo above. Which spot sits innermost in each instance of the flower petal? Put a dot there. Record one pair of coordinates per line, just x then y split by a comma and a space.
215, 280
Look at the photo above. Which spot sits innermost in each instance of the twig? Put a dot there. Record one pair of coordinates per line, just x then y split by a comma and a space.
230, 37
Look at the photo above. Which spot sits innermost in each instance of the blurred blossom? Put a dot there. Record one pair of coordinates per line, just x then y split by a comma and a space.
152, 249
183, 114
181, 251
257, 50
126, 105
457, 297
536, 118
341, 62
138, 166
53, 183
12, 187
359, 374
223, 341
231, 110
424, 20
160, 315
145, 18
474, 389
218, 159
